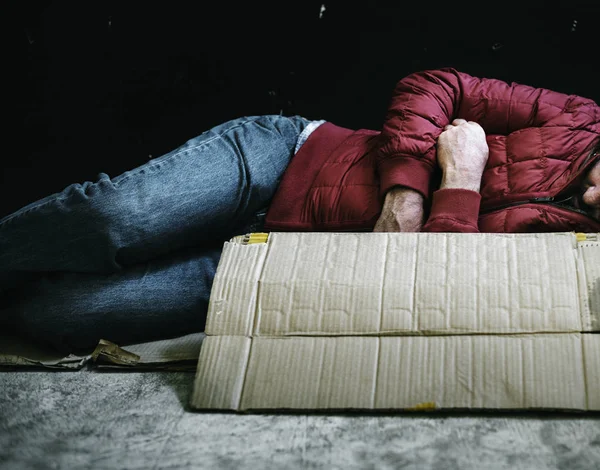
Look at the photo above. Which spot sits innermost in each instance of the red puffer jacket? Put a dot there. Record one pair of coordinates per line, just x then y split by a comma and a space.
541, 143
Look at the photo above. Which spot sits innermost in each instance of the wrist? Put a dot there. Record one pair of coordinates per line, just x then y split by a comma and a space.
401, 194
456, 180
406, 207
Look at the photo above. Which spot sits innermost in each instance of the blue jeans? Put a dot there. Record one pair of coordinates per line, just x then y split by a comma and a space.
132, 258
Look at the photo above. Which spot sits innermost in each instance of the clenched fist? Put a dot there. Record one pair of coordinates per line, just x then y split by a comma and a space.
462, 153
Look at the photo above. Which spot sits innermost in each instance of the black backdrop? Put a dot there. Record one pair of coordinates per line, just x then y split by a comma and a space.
102, 86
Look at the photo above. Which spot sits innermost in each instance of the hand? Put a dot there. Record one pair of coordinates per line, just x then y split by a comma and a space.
462, 153
402, 211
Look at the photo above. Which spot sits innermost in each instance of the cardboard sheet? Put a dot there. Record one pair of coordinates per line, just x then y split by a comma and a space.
18, 353
172, 354
404, 321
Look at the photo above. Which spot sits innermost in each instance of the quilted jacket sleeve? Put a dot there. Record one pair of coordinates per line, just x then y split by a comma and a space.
454, 210
423, 103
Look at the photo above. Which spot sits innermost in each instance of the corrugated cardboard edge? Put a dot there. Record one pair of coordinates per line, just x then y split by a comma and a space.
18, 353
588, 270
179, 353
235, 289
70, 362
221, 372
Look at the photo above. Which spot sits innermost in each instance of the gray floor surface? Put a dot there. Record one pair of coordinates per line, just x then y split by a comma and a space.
141, 420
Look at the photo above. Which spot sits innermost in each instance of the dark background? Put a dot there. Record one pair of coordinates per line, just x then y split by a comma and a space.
102, 86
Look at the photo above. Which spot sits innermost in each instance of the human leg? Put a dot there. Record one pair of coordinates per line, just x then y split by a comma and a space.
161, 298
204, 190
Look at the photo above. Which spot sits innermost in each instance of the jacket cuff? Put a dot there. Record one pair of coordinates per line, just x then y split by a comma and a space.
454, 210
408, 172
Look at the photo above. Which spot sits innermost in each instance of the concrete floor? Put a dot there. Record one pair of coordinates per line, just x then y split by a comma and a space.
128, 420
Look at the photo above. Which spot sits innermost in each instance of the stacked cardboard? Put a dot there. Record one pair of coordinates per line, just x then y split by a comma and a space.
379, 321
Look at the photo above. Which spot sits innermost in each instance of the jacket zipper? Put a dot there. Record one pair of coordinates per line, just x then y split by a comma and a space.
589, 161
549, 200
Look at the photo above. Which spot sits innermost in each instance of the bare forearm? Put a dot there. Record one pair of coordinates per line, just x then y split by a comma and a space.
402, 211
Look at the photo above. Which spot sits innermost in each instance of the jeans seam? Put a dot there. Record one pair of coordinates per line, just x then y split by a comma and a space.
19, 213
14, 215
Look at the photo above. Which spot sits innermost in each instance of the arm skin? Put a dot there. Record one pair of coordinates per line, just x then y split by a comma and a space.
402, 211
